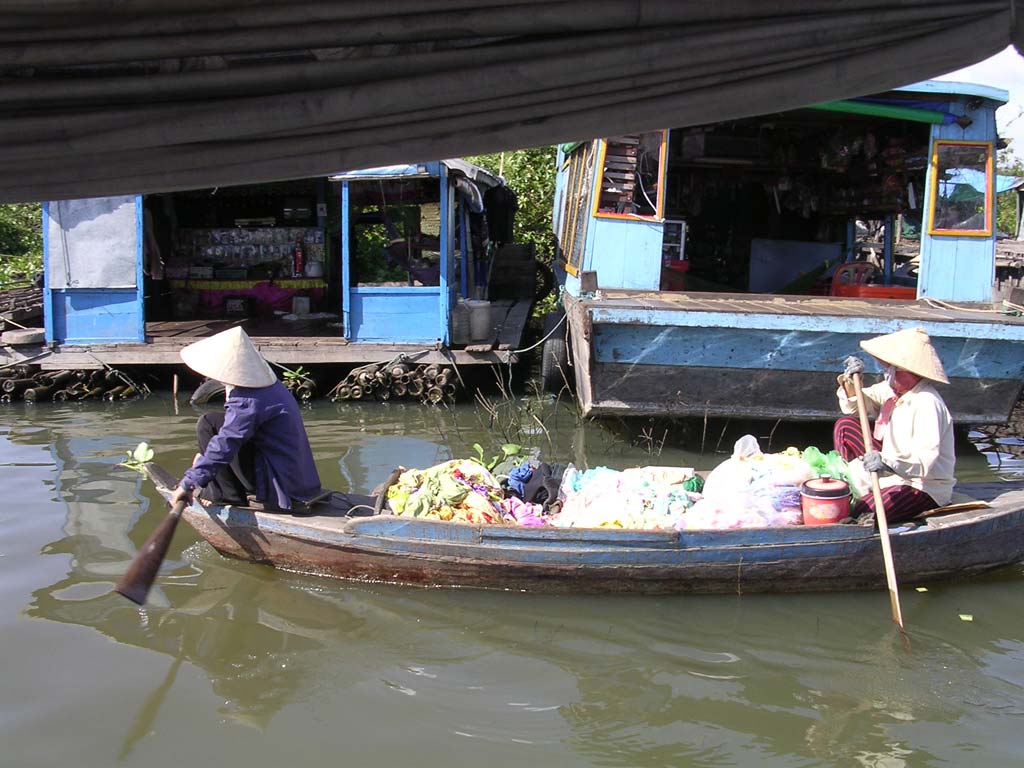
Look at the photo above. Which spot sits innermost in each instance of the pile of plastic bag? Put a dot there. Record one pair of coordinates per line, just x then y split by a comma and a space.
646, 498
761, 490
749, 490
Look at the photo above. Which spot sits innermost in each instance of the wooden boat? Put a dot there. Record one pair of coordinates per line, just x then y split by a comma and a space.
344, 539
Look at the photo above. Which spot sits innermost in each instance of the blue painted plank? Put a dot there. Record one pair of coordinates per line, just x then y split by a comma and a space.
625, 253
140, 279
91, 316
346, 258
400, 314
760, 349
440, 328
633, 314
47, 293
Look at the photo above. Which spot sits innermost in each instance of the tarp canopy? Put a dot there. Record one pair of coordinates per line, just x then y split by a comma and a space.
100, 98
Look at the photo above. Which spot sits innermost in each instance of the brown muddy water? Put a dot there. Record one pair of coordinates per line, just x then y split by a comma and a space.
239, 665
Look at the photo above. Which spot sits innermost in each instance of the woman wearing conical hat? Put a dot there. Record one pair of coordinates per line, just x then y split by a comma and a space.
912, 446
258, 447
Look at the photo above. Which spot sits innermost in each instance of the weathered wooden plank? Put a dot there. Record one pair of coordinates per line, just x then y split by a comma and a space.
630, 389
499, 312
511, 334
823, 305
290, 353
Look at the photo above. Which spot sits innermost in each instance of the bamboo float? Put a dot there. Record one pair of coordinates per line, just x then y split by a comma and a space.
16, 386
34, 394
61, 378
429, 383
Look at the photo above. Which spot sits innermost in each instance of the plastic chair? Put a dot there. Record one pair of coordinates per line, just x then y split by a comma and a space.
853, 273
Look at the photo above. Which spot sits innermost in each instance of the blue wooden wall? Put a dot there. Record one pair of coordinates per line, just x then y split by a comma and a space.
629, 255
959, 268
95, 315
399, 313
402, 314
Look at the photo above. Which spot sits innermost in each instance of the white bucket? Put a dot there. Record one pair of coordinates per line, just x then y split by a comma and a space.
479, 319
460, 324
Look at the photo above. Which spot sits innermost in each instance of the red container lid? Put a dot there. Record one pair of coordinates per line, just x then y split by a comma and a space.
825, 488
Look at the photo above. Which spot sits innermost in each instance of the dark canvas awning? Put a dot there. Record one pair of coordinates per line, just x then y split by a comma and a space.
100, 98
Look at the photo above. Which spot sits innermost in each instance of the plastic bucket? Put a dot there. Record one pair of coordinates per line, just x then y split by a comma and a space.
479, 319
460, 324
824, 500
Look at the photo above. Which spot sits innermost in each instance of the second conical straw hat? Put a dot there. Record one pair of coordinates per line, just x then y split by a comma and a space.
910, 349
229, 357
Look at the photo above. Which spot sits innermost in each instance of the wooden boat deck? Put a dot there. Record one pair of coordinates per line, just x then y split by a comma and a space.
923, 310
287, 343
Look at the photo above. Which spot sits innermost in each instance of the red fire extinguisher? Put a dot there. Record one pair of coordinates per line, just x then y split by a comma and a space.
299, 260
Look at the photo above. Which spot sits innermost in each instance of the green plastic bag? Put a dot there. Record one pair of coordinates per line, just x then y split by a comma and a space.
829, 464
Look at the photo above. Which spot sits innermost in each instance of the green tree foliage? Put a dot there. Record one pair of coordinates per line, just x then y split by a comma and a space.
1006, 203
530, 173
21, 242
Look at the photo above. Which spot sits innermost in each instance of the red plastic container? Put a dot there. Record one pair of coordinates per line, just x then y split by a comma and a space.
824, 500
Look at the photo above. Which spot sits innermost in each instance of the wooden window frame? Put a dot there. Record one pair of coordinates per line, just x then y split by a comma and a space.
572, 239
989, 189
659, 214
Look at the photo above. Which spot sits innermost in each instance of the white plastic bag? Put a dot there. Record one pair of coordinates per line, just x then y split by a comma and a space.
731, 478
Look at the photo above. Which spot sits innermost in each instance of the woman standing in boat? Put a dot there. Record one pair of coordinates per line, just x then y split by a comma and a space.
258, 447
912, 447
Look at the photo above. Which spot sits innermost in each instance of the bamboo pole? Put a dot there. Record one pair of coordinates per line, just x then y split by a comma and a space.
883, 523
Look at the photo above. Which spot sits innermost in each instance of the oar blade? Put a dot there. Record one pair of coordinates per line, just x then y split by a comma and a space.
144, 567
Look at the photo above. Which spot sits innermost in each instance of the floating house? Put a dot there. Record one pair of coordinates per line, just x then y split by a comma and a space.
728, 269
353, 268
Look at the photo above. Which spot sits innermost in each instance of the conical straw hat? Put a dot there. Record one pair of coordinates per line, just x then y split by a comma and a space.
909, 349
230, 357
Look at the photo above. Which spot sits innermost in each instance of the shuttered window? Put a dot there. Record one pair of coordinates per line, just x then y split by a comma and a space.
572, 233
632, 176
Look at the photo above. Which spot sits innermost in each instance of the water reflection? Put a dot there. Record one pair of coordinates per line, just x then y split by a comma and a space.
703, 681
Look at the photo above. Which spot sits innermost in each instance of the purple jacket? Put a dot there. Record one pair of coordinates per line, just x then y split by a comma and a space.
269, 419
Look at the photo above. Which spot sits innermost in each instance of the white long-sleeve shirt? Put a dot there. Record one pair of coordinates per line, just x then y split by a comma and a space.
918, 440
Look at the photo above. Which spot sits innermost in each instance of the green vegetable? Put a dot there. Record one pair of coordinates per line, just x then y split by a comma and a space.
507, 450
142, 454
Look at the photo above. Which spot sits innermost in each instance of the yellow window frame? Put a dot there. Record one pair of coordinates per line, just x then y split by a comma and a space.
599, 180
989, 189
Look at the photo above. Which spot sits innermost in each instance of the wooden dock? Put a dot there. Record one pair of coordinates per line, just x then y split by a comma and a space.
287, 343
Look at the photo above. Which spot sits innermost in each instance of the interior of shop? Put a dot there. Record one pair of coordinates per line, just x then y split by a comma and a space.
775, 204
261, 252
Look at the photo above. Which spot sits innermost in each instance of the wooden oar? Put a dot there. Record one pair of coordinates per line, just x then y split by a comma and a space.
142, 570
883, 524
